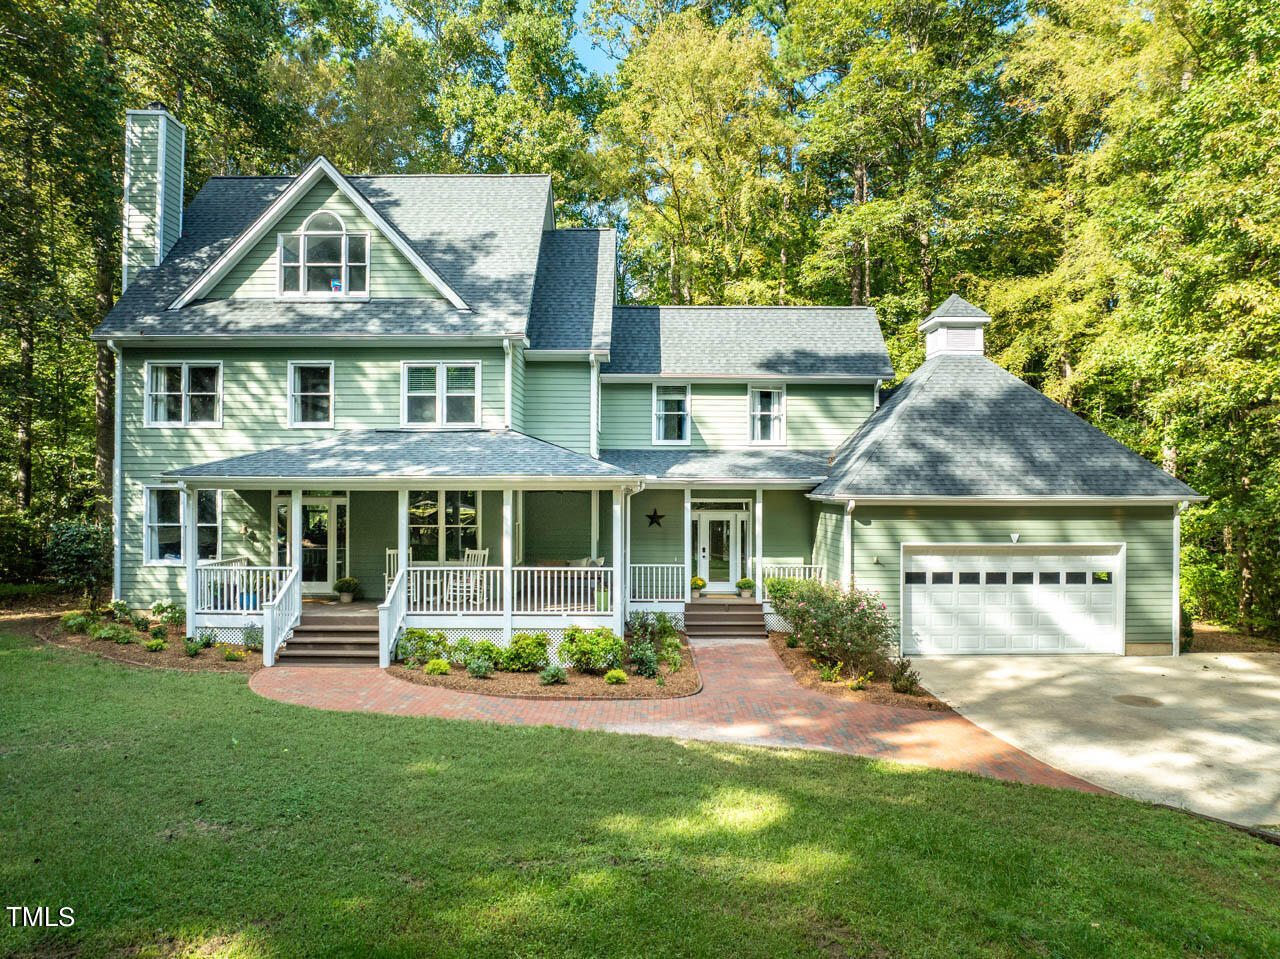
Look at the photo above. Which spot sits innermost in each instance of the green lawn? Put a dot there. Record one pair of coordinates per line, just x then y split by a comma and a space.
183, 814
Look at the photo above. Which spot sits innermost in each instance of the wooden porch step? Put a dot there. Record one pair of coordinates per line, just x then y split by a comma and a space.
327, 657
358, 644
341, 620
336, 629
714, 620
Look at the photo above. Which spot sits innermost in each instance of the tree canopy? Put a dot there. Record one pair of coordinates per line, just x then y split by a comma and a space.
1098, 174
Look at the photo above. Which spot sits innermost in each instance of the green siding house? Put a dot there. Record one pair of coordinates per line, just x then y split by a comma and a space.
422, 382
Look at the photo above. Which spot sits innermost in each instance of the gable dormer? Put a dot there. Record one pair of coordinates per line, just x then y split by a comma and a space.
320, 239
954, 328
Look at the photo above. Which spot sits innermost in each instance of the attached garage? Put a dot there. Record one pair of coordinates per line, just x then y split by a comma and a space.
1012, 600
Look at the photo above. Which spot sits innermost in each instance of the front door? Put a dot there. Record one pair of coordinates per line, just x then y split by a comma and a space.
324, 540
719, 539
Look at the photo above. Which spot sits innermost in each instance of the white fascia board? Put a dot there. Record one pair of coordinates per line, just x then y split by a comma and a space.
278, 339
669, 482
535, 356
156, 113
1004, 500
304, 181
734, 378
444, 481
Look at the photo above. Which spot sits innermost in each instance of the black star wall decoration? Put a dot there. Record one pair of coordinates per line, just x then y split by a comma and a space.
655, 518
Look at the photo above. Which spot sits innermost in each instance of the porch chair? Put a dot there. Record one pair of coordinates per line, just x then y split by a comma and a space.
470, 586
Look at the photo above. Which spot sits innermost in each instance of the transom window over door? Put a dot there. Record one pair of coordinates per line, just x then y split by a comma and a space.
443, 535
440, 394
184, 394
768, 416
310, 394
671, 414
324, 259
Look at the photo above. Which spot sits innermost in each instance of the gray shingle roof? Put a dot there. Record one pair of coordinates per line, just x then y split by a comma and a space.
409, 453
480, 233
956, 307
748, 464
962, 426
748, 340
574, 292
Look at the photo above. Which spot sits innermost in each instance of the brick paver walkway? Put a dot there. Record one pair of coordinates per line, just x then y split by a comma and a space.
748, 696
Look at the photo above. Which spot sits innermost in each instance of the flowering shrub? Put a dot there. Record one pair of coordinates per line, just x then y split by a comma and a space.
829, 672
836, 625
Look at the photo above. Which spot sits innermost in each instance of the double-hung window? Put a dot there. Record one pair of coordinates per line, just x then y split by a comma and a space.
310, 395
323, 259
183, 394
165, 510
768, 416
443, 524
671, 414
440, 394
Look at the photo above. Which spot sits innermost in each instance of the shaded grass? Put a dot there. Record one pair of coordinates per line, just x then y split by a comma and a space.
180, 813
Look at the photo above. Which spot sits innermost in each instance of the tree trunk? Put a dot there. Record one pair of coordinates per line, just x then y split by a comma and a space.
860, 282
104, 405
26, 344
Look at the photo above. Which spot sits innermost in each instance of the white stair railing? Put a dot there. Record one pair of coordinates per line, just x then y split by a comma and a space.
391, 618
658, 582
281, 615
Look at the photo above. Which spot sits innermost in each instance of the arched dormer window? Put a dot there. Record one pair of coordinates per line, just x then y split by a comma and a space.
322, 259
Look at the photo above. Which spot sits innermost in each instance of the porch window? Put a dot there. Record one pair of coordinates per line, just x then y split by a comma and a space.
443, 535
768, 416
165, 510
183, 394
310, 395
324, 259
440, 394
671, 414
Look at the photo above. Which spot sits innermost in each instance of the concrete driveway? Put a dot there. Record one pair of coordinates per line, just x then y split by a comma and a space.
1200, 731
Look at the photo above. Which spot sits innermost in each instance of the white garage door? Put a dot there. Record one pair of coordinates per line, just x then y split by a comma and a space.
1010, 601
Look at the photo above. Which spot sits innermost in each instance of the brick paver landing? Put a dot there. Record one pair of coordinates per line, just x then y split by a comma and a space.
748, 696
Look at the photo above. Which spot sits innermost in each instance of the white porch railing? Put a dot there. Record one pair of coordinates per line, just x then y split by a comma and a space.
658, 582
564, 589
391, 618
770, 571
454, 590
237, 589
281, 615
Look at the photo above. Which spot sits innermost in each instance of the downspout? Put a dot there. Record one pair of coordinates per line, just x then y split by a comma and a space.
116, 545
594, 361
1177, 579
846, 547
506, 406
879, 383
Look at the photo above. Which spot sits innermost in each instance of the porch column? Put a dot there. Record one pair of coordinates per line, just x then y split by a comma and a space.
619, 562
402, 528
846, 547
190, 553
595, 523
758, 536
508, 558
688, 545
295, 529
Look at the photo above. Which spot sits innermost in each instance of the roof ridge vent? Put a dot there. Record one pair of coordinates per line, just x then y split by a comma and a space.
954, 328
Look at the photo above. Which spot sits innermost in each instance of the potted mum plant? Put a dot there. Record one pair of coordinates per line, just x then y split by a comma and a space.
347, 589
745, 587
699, 586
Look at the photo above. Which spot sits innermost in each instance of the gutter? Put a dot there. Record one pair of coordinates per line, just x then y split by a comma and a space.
116, 545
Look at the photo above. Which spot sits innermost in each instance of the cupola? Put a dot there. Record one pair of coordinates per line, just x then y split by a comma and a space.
955, 327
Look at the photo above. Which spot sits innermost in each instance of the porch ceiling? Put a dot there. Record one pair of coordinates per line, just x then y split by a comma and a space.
411, 454
748, 466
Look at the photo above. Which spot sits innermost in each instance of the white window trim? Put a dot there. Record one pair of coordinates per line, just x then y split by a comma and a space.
301, 293
441, 377
186, 365
289, 395
688, 416
147, 559
441, 524
752, 390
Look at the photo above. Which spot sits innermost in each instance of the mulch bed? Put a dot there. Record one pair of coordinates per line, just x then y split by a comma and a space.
1222, 639
578, 685
878, 692
173, 657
